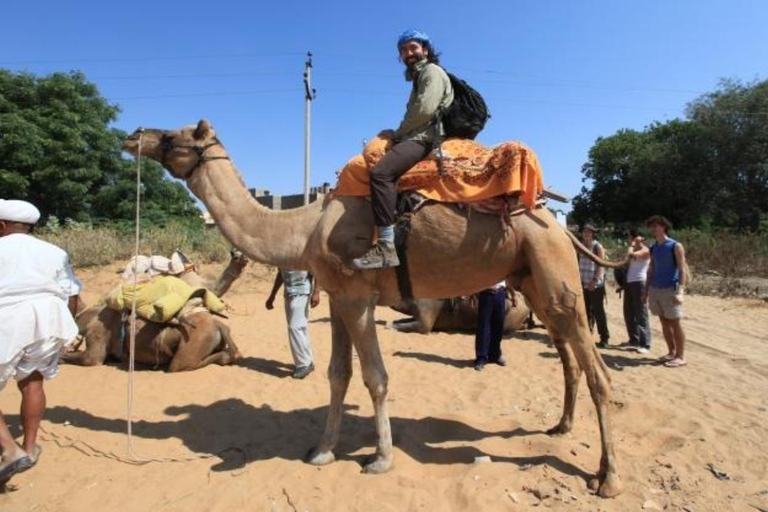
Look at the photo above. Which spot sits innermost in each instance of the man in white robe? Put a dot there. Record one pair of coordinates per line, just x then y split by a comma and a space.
38, 298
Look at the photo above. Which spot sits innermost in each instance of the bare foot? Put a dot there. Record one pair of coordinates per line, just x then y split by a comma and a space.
34, 453
12, 455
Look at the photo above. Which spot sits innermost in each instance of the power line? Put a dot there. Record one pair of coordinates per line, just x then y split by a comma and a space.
192, 75
538, 81
206, 94
151, 59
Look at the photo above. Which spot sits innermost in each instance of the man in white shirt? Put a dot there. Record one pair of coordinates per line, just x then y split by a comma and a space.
38, 298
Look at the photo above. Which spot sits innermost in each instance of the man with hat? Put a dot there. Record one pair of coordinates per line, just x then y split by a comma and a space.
38, 298
593, 284
413, 141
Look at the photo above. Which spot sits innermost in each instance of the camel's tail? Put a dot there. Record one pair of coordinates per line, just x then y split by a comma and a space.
589, 254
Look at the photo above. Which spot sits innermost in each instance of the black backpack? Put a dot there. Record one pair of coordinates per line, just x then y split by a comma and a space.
467, 114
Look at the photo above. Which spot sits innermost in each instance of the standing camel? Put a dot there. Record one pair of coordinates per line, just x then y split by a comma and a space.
199, 339
449, 254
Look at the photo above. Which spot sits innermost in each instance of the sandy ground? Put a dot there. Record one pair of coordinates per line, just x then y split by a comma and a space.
243, 430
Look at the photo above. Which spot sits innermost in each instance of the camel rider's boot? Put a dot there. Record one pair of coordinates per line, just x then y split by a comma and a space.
382, 254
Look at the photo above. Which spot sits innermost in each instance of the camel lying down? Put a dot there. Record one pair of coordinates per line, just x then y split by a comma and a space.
459, 314
450, 254
196, 340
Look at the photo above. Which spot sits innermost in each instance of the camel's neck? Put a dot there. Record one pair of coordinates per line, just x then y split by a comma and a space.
274, 237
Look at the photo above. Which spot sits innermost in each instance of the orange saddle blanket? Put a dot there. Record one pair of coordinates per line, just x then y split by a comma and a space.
473, 172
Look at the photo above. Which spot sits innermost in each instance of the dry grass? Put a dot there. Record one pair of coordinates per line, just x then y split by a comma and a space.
91, 246
719, 253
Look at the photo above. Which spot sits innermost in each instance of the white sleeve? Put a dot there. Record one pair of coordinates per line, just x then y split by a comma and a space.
66, 279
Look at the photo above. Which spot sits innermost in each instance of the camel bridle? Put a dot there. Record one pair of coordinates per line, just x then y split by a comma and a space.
166, 145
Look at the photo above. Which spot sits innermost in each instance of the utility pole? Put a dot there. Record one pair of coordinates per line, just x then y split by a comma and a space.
309, 96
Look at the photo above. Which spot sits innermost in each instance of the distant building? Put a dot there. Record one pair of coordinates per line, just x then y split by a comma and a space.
288, 202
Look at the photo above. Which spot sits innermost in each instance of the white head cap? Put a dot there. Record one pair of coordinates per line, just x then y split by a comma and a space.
14, 210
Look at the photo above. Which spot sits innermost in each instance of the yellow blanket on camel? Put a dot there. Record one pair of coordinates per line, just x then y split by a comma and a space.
473, 172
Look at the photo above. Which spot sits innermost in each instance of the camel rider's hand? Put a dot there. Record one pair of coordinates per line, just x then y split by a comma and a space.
270, 304
315, 299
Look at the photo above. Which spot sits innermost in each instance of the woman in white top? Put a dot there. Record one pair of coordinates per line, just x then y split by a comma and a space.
635, 308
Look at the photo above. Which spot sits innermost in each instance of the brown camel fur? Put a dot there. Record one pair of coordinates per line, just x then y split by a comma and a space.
450, 254
199, 338
459, 314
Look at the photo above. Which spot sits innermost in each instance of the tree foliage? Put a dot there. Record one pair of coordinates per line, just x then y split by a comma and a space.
58, 151
710, 169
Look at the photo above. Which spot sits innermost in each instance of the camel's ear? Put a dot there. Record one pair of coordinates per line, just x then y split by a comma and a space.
203, 130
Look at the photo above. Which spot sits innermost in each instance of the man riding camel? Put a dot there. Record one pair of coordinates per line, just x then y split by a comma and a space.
413, 140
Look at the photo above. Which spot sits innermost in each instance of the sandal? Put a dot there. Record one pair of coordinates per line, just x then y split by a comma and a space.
667, 358
15, 467
675, 363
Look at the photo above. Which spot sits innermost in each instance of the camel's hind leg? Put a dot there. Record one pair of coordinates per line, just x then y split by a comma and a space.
339, 375
199, 347
555, 273
571, 369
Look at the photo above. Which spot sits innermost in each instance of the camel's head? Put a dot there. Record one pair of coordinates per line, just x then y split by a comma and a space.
180, 151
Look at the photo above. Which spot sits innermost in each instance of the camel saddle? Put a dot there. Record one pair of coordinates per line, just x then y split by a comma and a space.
471, 172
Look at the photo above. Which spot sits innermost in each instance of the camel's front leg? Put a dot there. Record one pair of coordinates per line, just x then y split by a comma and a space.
360, 323
339, 374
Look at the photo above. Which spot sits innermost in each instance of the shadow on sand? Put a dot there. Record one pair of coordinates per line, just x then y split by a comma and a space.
434, 358
615, 362
266, 366
239, 433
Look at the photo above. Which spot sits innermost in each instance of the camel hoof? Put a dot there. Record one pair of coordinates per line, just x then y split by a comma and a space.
611, 486
318, 458
377, 466
594, 484
560, 429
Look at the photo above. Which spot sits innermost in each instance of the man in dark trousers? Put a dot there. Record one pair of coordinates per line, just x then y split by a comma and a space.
593, 285
413, 141
490, 326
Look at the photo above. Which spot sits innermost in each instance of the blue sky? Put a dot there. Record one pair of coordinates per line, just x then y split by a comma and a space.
556, 75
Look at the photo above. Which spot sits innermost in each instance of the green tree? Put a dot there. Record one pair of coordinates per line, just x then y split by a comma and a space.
734, 124
58, 150
709, 169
